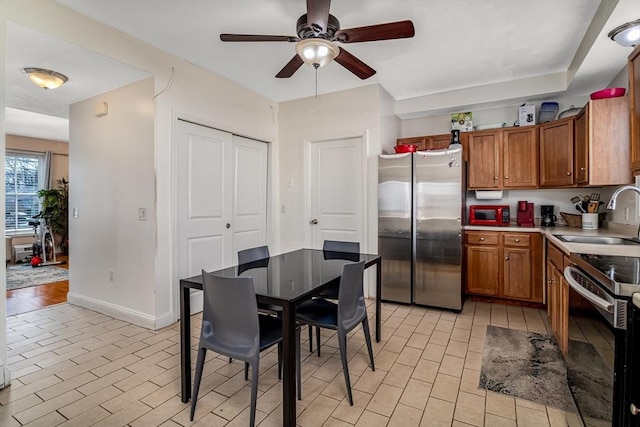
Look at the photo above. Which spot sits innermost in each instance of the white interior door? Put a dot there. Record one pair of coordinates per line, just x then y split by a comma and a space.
221, 199
249, 223
336, 183
203, 199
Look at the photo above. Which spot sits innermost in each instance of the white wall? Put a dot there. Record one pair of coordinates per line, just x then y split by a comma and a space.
345, 114
111, 176
438, 124
195, 94
5, 375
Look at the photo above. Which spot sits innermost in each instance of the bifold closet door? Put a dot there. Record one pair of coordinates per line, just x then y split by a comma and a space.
221, 195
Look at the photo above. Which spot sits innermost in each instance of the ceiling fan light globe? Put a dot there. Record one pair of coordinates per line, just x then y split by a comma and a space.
317, 52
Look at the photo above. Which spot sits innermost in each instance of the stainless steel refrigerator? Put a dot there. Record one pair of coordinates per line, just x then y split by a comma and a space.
420, 208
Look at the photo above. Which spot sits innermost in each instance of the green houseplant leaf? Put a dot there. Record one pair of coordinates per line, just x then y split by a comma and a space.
56, 200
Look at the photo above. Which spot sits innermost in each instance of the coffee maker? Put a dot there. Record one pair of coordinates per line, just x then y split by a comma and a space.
548, 218
525, 214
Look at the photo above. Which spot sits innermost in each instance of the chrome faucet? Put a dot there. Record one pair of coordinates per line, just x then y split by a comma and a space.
612, 203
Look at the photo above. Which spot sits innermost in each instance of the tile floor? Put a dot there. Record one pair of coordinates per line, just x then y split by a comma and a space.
75, 367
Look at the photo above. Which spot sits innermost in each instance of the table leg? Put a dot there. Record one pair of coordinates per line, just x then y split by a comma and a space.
185, 341
289, 374
378, 302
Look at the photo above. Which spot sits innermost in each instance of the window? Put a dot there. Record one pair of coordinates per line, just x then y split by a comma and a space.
23, 177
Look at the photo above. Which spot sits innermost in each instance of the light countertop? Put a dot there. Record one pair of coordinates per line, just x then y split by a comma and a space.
585, 248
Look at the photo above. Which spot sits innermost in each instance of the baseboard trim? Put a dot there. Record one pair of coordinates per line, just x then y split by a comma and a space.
118, 312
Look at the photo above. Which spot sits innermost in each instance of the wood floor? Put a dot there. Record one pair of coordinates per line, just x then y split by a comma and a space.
36, 297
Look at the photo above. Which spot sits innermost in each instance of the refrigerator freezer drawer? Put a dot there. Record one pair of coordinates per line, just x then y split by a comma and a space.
396, 268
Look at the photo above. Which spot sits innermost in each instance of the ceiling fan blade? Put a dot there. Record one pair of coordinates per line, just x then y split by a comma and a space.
388, 31
318, 14
354, 65
256, 38
291, 67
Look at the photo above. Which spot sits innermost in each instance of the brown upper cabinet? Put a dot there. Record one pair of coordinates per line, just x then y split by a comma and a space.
434, 142
602, 143
520, 157
634, 109
429, 142
503, 158
556, 153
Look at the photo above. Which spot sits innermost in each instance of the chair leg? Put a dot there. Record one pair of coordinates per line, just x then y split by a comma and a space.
367, 338
342, 343
318, 339
246, 371
310, 339
299, 366
254, 390
202, 353
280, 360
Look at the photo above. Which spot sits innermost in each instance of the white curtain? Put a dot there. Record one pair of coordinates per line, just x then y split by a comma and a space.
48, 176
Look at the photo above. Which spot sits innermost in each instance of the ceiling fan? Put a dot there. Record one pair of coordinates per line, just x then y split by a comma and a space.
318, 31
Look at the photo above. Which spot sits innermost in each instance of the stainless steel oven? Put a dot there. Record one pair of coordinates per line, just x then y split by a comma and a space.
599, 352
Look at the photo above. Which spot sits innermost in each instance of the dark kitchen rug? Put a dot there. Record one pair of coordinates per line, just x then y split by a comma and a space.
24, 276
590, 381
525, 365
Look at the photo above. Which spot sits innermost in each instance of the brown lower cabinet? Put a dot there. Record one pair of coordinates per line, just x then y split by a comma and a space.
558, 295
504, 265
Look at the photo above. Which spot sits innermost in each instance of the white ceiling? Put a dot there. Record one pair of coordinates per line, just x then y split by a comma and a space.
459, 44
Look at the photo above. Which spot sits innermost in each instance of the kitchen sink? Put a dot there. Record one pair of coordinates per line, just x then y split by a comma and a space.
597, 240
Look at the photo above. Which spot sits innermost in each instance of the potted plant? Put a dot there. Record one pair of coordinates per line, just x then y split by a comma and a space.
55, 202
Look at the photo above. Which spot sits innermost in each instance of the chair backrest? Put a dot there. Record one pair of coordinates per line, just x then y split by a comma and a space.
351, 306
230, 315
253, 254
338, 246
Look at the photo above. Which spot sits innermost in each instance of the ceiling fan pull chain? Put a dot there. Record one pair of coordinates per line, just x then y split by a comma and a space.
316, 71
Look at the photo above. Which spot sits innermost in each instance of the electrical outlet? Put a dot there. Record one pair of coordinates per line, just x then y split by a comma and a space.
76, 213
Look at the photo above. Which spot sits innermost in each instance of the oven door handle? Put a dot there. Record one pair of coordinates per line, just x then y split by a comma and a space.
592, 298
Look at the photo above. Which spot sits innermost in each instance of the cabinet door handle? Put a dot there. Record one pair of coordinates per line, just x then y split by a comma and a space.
313, 222
507, 258
634, 409
482, 239
495, 178
517, 240
568, 173
228, 225
582, 169
506, 177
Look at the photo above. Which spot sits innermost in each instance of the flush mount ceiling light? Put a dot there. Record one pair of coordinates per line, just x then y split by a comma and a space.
44, 78
317, 52
628, 34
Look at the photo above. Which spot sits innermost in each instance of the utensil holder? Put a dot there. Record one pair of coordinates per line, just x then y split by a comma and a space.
589, 221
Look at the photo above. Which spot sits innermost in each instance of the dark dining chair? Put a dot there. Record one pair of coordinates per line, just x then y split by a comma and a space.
334, 249
231, 326
348, 313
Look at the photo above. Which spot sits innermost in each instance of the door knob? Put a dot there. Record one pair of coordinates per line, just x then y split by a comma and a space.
313, 221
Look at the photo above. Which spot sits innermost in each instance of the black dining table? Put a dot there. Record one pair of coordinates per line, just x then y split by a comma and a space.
284, 280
